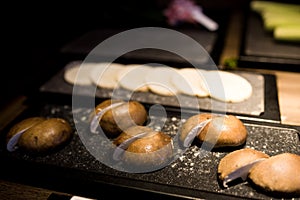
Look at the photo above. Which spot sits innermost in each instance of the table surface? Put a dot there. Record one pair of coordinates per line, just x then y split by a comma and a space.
288, 86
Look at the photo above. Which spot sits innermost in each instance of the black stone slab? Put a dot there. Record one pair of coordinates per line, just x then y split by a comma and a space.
73, 169
260, 50
263, 103
83, 45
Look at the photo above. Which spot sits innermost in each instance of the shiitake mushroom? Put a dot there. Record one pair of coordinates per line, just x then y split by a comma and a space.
150, 149
238, 158
38, 134
114, 116
278, 174
218, 130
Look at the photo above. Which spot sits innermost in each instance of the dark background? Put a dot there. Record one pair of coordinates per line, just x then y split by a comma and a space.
33, 34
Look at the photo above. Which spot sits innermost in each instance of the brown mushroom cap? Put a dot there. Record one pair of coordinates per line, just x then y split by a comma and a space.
237, 159
22, 125
121, 117
192, 122
155, 148
222, 131
130, 132
279, 173
46, 135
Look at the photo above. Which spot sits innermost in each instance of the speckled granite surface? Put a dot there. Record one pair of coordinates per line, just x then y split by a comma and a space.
194, 169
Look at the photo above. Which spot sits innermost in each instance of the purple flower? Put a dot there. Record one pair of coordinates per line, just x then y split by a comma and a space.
188, 11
